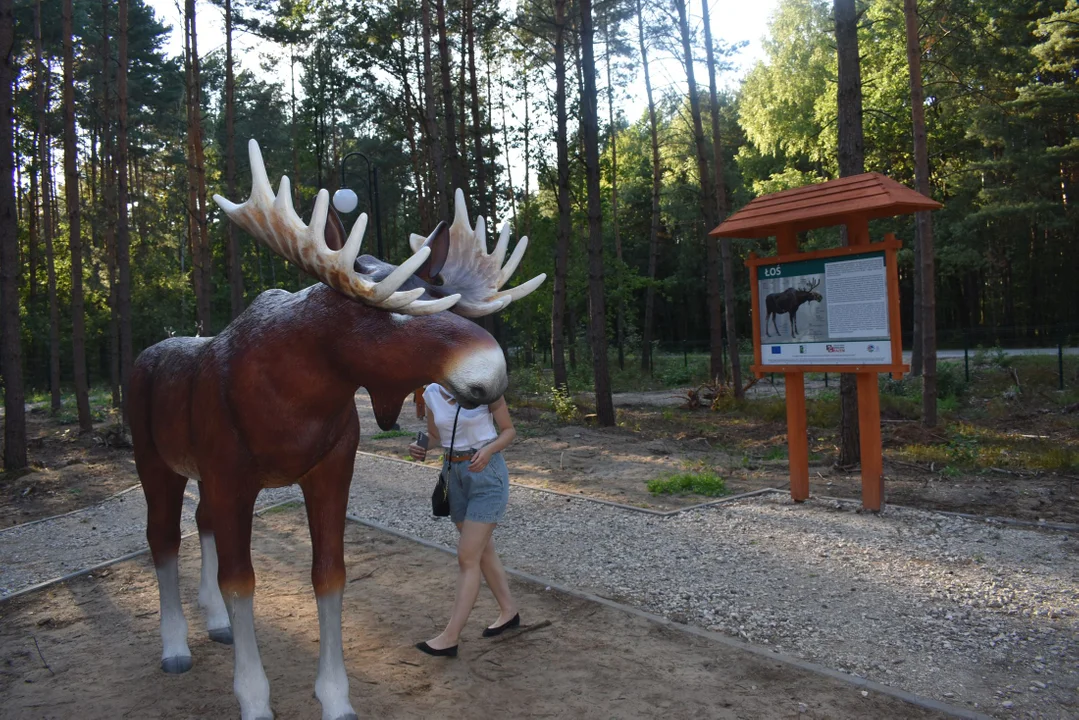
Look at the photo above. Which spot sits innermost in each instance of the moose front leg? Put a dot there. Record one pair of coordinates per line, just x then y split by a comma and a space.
231, 510
325, 491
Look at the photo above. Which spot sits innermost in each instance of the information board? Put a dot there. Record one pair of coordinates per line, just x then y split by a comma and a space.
824, 311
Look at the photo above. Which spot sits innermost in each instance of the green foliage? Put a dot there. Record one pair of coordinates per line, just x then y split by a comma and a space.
702, 482
951, 382
972, 448
991, 357
1002, 97
564, 406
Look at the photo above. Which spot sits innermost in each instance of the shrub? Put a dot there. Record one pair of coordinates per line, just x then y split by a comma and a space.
951, 382
564, 407
700, 483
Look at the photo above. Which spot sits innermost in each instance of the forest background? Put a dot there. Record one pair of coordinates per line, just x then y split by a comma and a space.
112, 245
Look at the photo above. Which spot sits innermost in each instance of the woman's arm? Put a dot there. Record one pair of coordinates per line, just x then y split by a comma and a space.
506, 435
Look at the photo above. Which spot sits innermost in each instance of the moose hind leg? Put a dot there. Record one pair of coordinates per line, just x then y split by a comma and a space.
164, 491
210, 599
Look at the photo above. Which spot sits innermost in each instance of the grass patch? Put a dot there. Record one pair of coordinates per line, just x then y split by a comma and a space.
285, 507
705, 483
776, 452
975, 448
386, 434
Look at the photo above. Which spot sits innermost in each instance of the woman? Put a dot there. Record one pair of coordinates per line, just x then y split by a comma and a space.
479, 491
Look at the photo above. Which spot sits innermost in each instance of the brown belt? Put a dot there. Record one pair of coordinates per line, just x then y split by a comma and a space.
461, 458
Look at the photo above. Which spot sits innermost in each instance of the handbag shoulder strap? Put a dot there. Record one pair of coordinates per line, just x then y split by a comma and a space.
453, 435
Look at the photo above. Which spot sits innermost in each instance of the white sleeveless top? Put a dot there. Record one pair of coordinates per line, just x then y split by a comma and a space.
475, 428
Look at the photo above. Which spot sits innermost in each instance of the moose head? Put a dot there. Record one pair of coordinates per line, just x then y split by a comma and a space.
449, 270
271, 402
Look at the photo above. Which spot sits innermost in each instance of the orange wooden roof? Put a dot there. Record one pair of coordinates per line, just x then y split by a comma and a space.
869, 195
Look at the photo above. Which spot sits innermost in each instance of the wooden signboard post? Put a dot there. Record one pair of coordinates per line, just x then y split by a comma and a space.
830, 310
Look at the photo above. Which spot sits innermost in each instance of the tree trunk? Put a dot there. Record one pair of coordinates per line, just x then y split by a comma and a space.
236, 270
924, 222
453, 159
492, 148
527, 199
74, 221
200, 253
31, 250
620, 319
293, 133
434, 140
108, 181
510, 194
45, 164
721, 210
10, 333
657, 184
561, 258
123, 233
597, 315
477, 118
851, 162
715, 313
409, 115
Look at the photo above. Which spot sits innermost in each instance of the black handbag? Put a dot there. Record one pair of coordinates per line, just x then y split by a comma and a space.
440, 498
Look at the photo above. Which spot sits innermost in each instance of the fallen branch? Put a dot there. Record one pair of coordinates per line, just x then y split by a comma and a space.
510, 636
364, 576
524, 629
916, 466
42, 656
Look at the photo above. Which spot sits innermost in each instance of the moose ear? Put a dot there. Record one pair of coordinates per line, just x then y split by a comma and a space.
335, 231
439, 242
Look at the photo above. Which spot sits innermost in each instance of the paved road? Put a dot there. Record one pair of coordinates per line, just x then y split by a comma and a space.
958, 354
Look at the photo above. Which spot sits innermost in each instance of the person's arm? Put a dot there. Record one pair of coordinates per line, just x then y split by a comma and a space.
433, 439
506, 435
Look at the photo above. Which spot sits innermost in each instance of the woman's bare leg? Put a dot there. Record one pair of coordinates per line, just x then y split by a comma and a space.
495, 575
474, 538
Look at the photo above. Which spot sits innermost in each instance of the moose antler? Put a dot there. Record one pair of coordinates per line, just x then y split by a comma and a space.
274, 222
812, 285
474, 273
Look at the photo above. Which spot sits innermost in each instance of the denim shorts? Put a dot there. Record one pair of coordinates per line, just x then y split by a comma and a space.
479, 496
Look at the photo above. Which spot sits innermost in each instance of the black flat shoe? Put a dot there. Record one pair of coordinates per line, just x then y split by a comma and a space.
444, 652
513, 622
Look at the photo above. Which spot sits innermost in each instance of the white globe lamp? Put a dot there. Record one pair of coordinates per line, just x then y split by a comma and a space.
345, 200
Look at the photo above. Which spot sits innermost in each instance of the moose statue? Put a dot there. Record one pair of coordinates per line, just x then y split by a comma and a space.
788, 302
270, 402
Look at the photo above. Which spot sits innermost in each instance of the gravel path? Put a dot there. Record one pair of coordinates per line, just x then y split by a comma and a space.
971, 613
40, 551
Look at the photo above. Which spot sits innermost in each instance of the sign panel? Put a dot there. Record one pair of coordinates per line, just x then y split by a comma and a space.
825, 311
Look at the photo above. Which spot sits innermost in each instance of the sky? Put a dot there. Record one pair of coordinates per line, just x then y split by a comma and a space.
732, 21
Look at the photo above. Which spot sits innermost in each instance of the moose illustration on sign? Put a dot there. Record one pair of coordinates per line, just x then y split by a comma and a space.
271, 402
788, 302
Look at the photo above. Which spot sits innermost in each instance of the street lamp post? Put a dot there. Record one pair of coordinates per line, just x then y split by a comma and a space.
345, 200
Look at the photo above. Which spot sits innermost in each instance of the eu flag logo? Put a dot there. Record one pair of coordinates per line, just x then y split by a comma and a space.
776, 350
